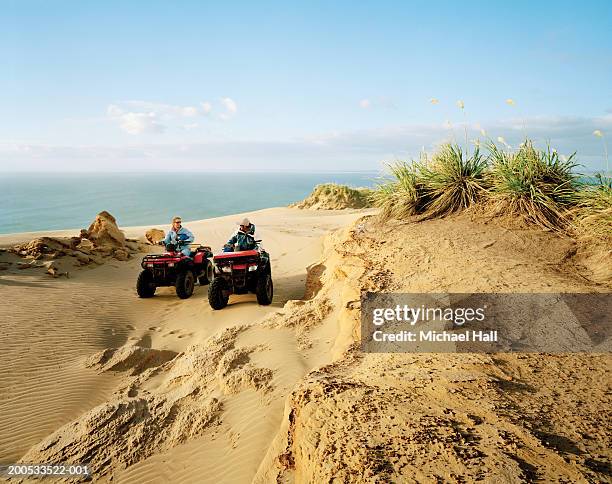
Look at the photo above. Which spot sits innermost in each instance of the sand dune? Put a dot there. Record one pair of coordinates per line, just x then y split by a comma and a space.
54, 329
167, 390
48, 330
447, 417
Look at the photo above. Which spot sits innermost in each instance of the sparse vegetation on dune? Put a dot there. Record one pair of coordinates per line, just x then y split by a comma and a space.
447, 182
331, 196
593, 212
526, 185
538, 187
403, 196
452, 180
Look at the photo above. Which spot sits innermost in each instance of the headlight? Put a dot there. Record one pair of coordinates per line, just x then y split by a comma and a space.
170, 264
252, 268
150, 264
226, 269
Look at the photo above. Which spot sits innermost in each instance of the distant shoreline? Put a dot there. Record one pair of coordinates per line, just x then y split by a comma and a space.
130, 231
136, 231
40, 203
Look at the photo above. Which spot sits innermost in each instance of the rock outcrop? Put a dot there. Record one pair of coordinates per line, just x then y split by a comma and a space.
48, 247
155, 235
102, 239
121, 254
104, 231
85, 244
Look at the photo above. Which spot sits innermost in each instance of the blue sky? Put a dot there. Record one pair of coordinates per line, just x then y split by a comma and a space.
276, 85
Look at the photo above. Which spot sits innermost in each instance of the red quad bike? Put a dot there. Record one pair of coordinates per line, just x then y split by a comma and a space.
173, 268
241, 272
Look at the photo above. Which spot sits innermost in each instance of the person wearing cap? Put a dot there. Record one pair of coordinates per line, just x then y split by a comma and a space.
244, 237
180, 236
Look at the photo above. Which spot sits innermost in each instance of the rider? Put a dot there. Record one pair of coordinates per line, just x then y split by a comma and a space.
244, 238
179, 236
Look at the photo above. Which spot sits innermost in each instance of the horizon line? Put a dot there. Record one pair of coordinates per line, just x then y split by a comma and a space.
141, 172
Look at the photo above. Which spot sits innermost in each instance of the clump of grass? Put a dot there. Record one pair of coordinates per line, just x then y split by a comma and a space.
452, 180
593, 213
331, 196
449, 182
537, 186
401, 197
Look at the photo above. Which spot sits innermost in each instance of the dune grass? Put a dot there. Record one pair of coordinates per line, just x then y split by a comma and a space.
537, 186
403, 196
593, 212
448, 182
452, 180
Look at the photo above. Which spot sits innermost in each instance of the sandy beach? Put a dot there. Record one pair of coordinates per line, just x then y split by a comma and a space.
168, 390
52, 326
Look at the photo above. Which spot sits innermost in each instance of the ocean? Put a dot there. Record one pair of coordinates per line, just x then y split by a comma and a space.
33, 202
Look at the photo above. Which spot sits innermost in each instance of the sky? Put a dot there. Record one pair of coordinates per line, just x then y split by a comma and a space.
320, 86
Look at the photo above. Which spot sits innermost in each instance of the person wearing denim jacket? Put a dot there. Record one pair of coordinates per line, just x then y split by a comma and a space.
180, 236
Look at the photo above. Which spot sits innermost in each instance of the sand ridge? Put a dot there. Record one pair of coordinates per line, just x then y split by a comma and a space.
447, 417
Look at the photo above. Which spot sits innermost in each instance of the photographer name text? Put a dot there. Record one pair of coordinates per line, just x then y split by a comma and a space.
435, 336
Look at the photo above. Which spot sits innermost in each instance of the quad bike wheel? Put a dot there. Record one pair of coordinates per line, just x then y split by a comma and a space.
208, 276
145, 287
216, 298
264, 289
184, 284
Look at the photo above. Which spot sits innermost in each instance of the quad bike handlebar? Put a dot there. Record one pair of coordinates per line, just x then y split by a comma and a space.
178, 242
230, 247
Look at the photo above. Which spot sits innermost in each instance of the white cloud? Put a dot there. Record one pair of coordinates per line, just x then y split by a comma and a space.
138, 123
139, 117
190, 126
160, 109
114, 110
206, 107
378, 102
189, 111
230, 107
135, 123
